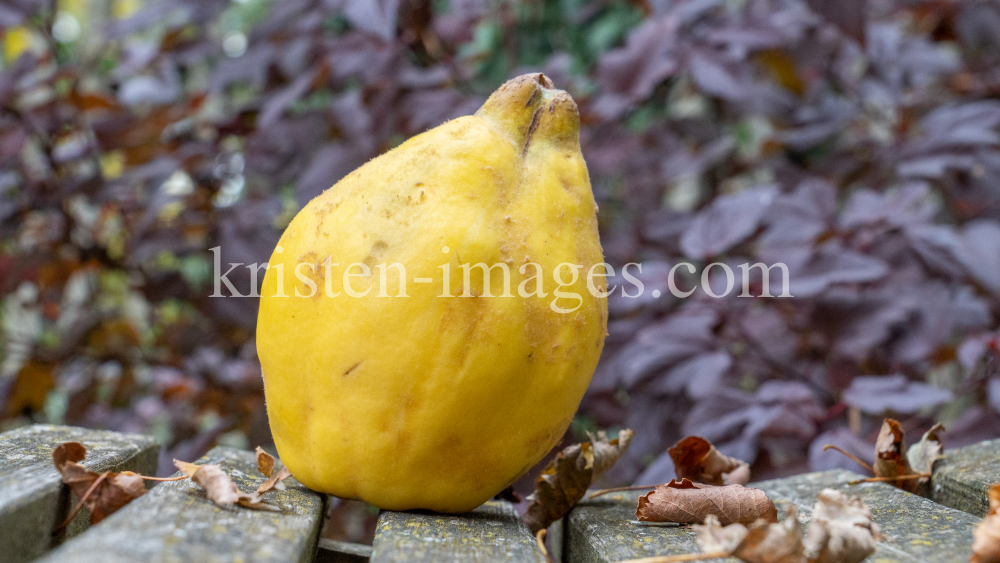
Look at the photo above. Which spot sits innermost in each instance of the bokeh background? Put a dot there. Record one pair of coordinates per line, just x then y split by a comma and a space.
855, 141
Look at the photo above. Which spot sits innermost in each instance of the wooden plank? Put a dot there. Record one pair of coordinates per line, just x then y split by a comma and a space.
176, 522
492, 532
33, 500
962, 477
916, 529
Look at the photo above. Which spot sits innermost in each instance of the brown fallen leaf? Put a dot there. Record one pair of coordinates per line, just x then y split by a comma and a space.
565, 480
986, 537
889, 458
265, 462
697, 459
841, 529
911, 472
762, 542
274, 483
713, 537
102, 493
186, 468
691, 503
220, 489
773, 543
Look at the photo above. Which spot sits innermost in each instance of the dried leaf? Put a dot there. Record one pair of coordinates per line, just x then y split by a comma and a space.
274, 483
762, 542
772, 542
922, 455
986, 537
697, 459
841, 529
889, 458
690, 503
102, 493
565, 480
66, 453
265, 462
131, 483
714, 537
219, 488
911, 472
186, 468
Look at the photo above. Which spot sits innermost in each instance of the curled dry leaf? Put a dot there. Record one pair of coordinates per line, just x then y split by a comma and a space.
762, 542
697, 459
713, 537
274, 483
773, 543
265, 464
102, 493
889, 448
186, 468
841, 529
912, 472
691, 503
915, 467
565, 480
220, 489
921, 457
986, 538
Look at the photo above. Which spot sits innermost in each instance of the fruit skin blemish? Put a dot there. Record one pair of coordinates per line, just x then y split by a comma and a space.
434, 319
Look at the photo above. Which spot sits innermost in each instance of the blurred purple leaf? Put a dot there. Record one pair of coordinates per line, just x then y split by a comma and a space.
848, 15
375, 16
980, 252
715, 79
877, 395
993, 393
832, 264
727, 221
699, 376
273, 107
662, 344
974, 425
629, 74
800, 217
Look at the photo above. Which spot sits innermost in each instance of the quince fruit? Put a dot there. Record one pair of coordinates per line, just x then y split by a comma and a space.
395, 370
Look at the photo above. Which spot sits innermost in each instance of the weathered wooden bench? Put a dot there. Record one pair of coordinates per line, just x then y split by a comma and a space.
176, 522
